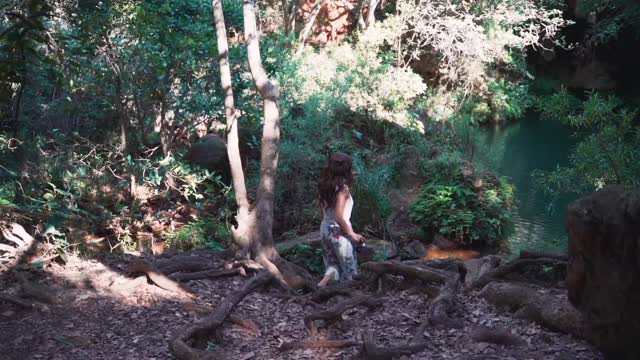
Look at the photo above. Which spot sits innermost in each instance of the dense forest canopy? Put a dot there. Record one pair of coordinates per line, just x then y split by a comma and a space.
187, 138
102, 101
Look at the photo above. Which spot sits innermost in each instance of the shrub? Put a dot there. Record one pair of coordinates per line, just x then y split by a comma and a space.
608, 155
306, 256
450, 205
206, 233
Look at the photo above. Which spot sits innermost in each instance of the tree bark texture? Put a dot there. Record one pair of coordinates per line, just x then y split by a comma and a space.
233, 143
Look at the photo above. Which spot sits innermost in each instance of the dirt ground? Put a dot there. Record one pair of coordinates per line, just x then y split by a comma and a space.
91, 320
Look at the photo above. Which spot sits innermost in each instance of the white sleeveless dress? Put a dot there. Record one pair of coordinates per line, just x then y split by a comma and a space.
339, 258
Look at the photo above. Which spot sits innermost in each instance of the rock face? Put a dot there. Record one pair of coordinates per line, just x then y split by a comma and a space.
333, 23
603, 275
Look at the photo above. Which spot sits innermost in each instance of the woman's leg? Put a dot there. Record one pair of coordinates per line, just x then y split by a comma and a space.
329, 275
346, 257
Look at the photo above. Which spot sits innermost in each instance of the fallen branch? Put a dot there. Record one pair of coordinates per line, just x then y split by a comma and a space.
157, 277
318, 344
407, 271
208, 274
180, 347
335, 313
370, 351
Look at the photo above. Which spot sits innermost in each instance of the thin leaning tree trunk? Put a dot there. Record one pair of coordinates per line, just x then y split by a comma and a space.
263, 245
371, 19
357, 14
233, 143
308, 25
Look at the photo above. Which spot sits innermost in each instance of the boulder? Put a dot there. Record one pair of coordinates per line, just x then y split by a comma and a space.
603, 274
210, 152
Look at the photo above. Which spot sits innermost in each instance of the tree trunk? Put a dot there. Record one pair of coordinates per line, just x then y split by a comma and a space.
233, 144
254, 230
290, 8
17, 107
309, 24
166, 127
121, 115
262, 246
358, 15
371, 19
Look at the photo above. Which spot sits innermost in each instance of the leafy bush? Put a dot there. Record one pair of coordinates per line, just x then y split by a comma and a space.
450, 205
559, 105
306, 256
206, 233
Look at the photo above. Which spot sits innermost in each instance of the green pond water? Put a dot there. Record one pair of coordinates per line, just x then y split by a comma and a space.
515, 151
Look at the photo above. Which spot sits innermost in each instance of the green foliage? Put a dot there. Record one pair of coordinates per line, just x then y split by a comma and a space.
373, 205
617, 16
207, 233
306, 256
355, 76
449, 204
608, 155
560, 105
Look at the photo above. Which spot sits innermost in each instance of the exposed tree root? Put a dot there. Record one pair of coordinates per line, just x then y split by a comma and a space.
318, 344
24, 244
337, 310
370, 351
326, 293
440, 306
16, 234
488, 263
453, 265
513, 266
528, 254
9, 249
407, 271
180, 347
496, 336
553, 312
208, 274
157, 277
245, 263
185, 265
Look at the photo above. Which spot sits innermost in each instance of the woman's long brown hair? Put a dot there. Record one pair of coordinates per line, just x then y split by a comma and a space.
335, 176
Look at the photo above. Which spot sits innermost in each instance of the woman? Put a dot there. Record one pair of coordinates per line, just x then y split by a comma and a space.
336, 231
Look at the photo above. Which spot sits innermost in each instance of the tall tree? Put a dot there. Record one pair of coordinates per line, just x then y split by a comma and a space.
254, 230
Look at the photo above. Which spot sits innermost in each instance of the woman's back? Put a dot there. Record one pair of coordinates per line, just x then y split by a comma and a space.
329, 213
